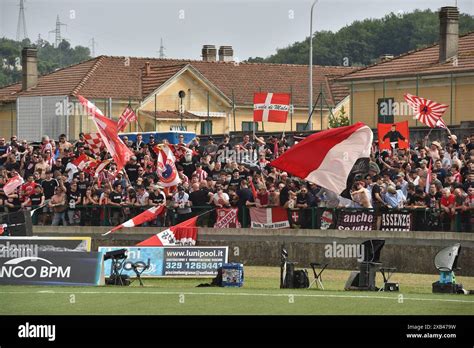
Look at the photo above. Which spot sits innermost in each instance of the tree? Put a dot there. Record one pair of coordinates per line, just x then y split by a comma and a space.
339, 121
363, 42
49, 58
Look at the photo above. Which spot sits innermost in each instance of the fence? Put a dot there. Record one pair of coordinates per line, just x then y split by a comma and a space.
413, 219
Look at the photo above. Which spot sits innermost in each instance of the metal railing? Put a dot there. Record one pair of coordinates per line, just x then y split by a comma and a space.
422, 219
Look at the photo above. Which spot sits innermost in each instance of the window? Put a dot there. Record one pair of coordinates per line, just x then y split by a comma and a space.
385, 110
206, 127
248, 126
184, 128
300, 127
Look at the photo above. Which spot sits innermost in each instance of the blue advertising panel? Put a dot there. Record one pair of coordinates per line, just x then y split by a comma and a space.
171, 261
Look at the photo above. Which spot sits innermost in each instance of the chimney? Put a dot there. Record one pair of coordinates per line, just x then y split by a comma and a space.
448, 33
29, 67
209, 53
147, 69
226, 54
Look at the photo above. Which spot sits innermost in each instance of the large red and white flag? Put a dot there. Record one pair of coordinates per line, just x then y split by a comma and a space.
148, 215
94, 142
184, 233
109, 134
166, 168
275, 217
271, 107
12, 184
128, 115
328, 158
427, 111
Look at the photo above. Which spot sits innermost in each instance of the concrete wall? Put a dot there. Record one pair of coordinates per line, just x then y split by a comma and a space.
412, 252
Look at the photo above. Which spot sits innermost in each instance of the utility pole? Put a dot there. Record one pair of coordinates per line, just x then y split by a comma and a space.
21, 23
57, 32
310, 82
162, 49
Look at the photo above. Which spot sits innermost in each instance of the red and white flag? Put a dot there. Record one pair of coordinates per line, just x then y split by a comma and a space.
166, 168
227, 218
275, 217
12, 184
427, 111
109, 134
271, 107
148, 215
327, 158
83, 161
128, 115
101, 166
94, 142
184, 233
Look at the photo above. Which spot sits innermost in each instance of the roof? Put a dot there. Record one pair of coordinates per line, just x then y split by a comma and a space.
171, 115
158, 76
424, 61
123, 78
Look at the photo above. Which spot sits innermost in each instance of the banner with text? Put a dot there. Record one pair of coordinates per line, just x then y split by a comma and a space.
171, 261
356, 220
227, 218
399, 221
51, 268
276, 217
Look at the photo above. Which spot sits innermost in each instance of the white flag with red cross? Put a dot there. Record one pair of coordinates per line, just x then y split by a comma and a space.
271, 107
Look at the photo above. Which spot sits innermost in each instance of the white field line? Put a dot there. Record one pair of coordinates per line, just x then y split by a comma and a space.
236, 294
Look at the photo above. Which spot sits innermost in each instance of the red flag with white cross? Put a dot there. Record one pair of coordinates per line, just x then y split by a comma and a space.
271, 107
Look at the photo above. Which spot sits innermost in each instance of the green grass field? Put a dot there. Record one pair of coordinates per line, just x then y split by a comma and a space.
260, 295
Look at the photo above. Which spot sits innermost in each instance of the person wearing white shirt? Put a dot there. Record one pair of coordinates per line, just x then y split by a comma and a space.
70, 170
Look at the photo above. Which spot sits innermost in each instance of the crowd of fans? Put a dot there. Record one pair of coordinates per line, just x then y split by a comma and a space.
229, 174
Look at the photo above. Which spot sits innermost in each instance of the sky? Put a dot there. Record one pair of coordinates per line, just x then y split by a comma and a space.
252, 27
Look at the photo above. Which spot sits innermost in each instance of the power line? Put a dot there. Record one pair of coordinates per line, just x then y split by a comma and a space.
57, 32
21, 22
162, 49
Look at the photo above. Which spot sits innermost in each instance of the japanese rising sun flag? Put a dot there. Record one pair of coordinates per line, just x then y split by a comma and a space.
271, 107
184, 233
148, 215
329, 158
427, 111
108, 132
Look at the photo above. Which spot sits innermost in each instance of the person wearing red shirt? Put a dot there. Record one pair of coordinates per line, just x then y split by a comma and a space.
447, 209
28, 188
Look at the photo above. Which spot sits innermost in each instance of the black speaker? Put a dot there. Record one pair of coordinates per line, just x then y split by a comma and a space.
18, 223
367, 275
